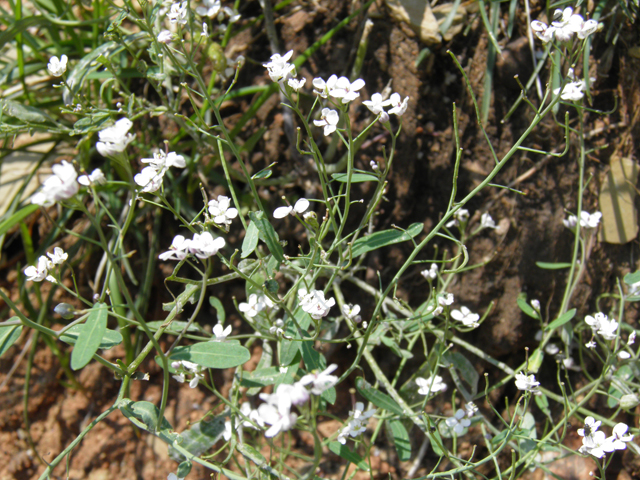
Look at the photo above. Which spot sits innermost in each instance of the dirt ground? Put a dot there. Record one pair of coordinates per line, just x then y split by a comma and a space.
530, 228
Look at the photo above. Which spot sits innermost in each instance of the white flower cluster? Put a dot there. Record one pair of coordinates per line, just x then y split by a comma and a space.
601, 325
430, 274
150, 178
459, 217
458, 422
527, 383
431, 385
564, 25
256, 304
279, 68
587, 220
94, 178
301, 206
184, 368
115, 139
357, 424
465, 316
596, 443
314, 303
574, 90
57, 67
40, 271
61, 185
202, 245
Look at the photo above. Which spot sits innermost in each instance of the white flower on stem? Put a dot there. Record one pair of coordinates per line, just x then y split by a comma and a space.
58, 256
40, 271
486, 221
595, 321
470, 409
165, 36
149, 179
624, 355
346, 90
564, 26
431, 385
279, 68
445, 299
277, 411
587, 28
296, 84
357, 425
526, 383
376, 104
535, 304
300, 206
233, 15
570, 222
210, 9
162, 161
588, 220
61, 185
203, 245
323, 88
179, 249
205, 29
465, 316
590, 344
253, 307
57, 67
591, 425
430, 274
461, 216
96, 177
184, 368
352, 312
329, 120
178, 13
399, 106
296, 393
594, 444
222, 211
608, 329
618, 441
114, 139
253, 417
374, 165
542, 31
221, 333
320, 381
277, 327
314, 303
632, 338
458, 422
572, 91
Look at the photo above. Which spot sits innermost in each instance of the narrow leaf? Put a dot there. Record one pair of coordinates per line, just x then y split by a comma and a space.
217, 304
250, 241
9, 335
629, 278
562, 319
353, 457
90, 336
379, 399
526, 308
384, 238
355, 177
213, 354
16, 218
400, 439
109, 339
552, 266
268, 235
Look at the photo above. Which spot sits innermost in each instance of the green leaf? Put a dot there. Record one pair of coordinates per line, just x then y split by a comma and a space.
250, 241
553, 266
217, 304
213, 354
109, 339
395, 348
260, 377
344, 452
176, 327
623, 374
266, 173
379, 399
314, 360
184, 469
268, 235
525, 307
400, 439
266, 360
199, 438
436, 441
631, 278
25, 113
90, 336
562, 319
84, 67
91, 123
17, 217
384, 238
145, 415
467, 371
8, 335
355, 177
289, 348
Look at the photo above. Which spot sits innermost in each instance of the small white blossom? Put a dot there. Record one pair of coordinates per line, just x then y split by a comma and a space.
279, 68
253, 307
352, 312
608, 329
221, 333
61, 185
57, 67
572, 91
618, 441
458, 422
96, 178
632, 338
357, 425
329, 120
296, 84
445, 299
526, 382
376, 104
486, 221
58, 256
320, 381
314, 303
470, 409
149, 179
590, 344
300, 206
431, 385
535, 304
210, 9
323, 88
115, 139
222, 211
277, 327
39, 272
399, 106
203, 245
165, 36
461, 216
465, 316
591, 425
624, 355
430, 274
179, 249
277, 411
184, 368
178, 13
346, 90
594, 444
564, 26
587, 220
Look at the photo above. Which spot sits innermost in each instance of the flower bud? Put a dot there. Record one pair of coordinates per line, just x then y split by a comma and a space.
65, 310
629, 401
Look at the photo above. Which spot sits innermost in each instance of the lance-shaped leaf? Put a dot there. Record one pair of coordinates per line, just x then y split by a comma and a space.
400, 439
379, 399
268, 235
109, 339
199, 438
8, 336
384, 238
353, 457
213, 354
90, 336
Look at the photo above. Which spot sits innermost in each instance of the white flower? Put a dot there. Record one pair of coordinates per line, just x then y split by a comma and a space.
535, 304
608, 329
329, 120
461, 216
570, 222
277, 411
39, 272
632, 338
594, 444
465, 316
184, 367
173, 476
565, 24
357, 425
590, 427
96, 177
486, 221
115, 139
296, 84
433, 384
296, 393
595, 321
203, 245
572, 91
222, 211
277, 327
320, 381
618, 441
279, 68
542, 31
61, 185
458, 422
346, 90
399, 106
253, 307
445, 299
210, 9
57, 67
314, 303
58, 256
221, 333
323, 88
352, 312
588, 27
590, 220
252, 415
526, 382
178, 13
470, 409
178, 250
301, 206
376, 104
590, 344
165, 36
149, 179
430, 274
374, 165
624, 355
161, 161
